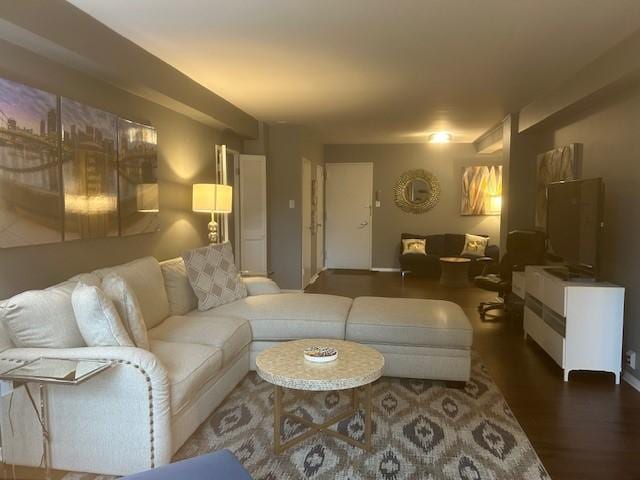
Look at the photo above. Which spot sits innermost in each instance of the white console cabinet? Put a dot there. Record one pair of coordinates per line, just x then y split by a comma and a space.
579, 324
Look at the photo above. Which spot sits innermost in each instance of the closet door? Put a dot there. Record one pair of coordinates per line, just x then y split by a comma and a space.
253, 214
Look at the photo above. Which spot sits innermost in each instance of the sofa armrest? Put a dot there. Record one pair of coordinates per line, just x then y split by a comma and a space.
260, 286
118, 422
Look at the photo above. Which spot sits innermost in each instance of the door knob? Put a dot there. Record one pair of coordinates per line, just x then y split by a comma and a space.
363, 224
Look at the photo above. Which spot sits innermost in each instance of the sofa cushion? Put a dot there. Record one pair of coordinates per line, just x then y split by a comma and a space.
181, 297
230, 334
260, 286
291, 316
453, 244
126, 302
97, 318
5, 339
408, 321
189, 367
42, 318
213, 275
145, 279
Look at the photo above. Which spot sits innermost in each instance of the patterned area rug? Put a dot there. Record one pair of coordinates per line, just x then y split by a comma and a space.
422, 431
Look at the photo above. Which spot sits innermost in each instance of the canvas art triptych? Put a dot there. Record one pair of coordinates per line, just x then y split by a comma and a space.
69, 171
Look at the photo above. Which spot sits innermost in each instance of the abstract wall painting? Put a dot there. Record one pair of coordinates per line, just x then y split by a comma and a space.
89, 171
556, 165
30, 206
481, 190
138, 178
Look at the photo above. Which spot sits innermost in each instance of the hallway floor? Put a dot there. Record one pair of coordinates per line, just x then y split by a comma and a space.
588, 428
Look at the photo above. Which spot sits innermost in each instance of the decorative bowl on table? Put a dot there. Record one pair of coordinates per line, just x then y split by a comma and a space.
320, 354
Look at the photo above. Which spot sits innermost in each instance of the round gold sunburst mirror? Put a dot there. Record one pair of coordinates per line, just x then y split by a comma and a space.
417, 191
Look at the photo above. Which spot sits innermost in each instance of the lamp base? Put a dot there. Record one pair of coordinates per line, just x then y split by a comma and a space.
213, 231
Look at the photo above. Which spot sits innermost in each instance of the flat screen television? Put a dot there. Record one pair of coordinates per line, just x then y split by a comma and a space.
575, 224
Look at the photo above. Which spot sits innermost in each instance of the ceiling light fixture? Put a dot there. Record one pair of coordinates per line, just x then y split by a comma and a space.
440, 137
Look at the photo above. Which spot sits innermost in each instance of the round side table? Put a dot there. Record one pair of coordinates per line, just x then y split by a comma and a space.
357, 366
454, 272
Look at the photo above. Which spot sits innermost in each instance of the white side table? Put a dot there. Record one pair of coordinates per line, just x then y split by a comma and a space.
45, 371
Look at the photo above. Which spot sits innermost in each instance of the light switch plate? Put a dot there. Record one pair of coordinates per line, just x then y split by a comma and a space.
377, 203
292, 204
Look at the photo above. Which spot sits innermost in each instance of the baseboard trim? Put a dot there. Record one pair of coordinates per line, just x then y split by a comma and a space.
290, 290
384, 269
631, 380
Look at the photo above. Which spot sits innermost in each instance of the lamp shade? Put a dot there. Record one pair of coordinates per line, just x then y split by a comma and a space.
212, 198
495, 203
147, 197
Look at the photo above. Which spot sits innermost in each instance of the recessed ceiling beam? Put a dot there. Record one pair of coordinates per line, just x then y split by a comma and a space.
60, 31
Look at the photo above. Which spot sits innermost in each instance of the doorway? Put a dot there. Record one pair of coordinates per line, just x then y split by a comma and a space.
307, 228
349, 190
319, 199
250, 201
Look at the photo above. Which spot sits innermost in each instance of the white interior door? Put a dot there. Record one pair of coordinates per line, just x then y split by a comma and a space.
253, 214
319, 218
306, 222
349, 189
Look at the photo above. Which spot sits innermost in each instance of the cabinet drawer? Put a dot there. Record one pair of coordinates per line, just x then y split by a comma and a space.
554, 345
554, 295
545, 336
534, 283
532, 325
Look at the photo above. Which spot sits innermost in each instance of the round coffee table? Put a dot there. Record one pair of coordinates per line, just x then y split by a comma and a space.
285, 367
454, 272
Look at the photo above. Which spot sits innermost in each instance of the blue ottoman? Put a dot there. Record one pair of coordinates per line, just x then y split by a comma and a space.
222, 465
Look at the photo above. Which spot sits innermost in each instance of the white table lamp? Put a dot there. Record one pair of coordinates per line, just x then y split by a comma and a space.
212, 198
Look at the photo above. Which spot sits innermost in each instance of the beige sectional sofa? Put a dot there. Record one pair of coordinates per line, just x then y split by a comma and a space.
137, 414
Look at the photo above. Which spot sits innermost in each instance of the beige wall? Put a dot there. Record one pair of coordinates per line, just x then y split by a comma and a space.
185, 153
389, 162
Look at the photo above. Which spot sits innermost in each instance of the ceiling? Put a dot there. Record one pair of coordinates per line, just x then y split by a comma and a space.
360, 71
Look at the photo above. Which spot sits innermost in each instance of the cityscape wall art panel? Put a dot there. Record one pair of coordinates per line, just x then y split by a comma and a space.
481, 190
89, 171
30, 188
138, 178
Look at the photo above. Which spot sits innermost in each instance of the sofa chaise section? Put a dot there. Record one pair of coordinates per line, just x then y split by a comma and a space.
418, 338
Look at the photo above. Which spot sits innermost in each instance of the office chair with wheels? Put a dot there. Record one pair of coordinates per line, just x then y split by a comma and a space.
524, 247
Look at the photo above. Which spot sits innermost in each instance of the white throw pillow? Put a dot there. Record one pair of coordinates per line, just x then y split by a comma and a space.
182, 299
414, 245
97, 318
213, 275
42, 318
145, 279
474, 245
128, 307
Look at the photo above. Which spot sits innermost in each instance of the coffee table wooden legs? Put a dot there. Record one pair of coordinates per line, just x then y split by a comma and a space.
279, 414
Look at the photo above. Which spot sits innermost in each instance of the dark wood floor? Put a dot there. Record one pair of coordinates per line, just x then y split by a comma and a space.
588, 428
